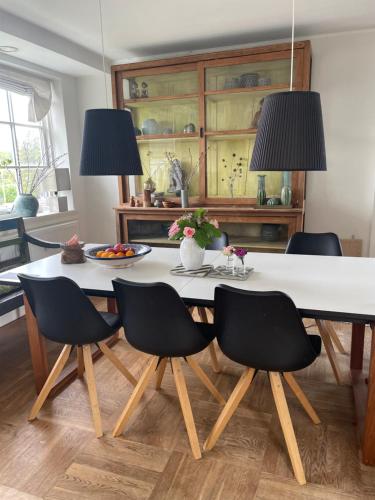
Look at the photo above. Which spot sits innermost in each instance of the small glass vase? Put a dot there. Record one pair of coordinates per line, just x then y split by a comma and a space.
261, 193
240, 266
229, 264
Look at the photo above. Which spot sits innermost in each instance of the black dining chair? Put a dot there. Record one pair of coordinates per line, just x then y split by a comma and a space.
220, 242
264, 331
65, 315
217, 244
321, 244
157, 322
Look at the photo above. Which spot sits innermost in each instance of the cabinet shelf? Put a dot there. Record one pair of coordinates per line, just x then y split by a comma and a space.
161, 101
239, 90
248, 243
167, 137
228, 135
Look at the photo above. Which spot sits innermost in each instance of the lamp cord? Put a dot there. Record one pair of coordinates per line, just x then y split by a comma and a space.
103, 58
292, 52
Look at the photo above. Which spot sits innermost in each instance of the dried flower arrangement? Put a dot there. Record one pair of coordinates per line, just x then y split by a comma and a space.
151, 171
29, 177
181, 177
234, 172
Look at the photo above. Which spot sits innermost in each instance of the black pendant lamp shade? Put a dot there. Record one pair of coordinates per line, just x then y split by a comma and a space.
109, 145
290, 133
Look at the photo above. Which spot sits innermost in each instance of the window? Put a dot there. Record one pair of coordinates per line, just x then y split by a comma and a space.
23, 144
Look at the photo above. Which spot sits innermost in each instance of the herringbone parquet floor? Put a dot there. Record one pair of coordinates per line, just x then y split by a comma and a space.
57, 457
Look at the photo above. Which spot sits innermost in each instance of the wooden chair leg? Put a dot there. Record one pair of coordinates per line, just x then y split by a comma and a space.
204, 379
301, 396
135, 397
186, 408
52, 377
335, 338
160, 372
214, 362
330, 351
287, 426
115, 360
80, 362
91, 386
234, 400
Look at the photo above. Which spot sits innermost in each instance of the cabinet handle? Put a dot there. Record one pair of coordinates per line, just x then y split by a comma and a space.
201, 132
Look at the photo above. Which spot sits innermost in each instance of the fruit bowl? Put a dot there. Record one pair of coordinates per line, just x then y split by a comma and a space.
118, 256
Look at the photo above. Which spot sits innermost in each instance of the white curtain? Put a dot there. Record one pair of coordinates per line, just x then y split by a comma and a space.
38, 89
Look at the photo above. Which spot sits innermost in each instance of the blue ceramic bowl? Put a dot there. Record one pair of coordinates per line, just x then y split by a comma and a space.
118, 262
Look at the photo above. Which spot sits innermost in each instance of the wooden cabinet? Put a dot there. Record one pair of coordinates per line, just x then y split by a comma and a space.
202, 109
246, 227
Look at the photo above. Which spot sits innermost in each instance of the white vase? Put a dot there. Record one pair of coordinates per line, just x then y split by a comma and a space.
191, 254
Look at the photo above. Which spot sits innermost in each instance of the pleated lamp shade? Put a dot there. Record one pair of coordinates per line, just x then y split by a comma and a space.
109, 145
290, 133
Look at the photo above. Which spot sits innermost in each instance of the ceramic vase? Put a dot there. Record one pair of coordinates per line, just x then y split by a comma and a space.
191, 254
25, 205
286, 190
261, 193
184, 194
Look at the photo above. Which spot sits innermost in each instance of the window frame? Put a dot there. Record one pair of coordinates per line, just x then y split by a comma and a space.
45, 133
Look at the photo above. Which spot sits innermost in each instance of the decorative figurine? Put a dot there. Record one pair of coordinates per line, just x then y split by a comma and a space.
144, 89
149, 185
133, 89
138, 203
255, 121
132, 201
189, 128
176, 175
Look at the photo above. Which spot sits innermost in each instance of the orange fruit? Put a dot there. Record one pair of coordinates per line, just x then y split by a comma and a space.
104, 255
111, 255
120, 254
129, 253
99, 254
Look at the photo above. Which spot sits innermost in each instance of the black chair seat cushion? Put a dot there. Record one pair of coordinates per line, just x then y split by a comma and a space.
112, 320
316, 343
174, 348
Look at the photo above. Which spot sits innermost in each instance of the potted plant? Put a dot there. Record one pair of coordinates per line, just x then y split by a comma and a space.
196, 231
29, 177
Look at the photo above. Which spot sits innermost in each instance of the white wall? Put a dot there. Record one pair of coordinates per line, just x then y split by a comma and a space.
341, 199
101, 193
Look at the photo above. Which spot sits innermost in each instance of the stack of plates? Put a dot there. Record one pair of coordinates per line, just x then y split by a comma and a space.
249, 80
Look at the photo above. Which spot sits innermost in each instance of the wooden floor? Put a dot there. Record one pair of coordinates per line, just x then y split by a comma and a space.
58, 457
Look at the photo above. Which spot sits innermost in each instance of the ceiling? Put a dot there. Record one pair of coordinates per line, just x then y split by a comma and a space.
136, 29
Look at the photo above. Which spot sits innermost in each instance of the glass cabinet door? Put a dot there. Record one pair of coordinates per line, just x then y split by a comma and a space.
164, 108
234, 94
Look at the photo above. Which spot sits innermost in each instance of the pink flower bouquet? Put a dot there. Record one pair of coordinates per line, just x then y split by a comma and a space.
195, 225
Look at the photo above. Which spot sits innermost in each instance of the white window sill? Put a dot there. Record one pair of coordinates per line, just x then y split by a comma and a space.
45, 220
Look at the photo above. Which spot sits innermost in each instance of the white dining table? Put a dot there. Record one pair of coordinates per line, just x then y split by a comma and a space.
324, 288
